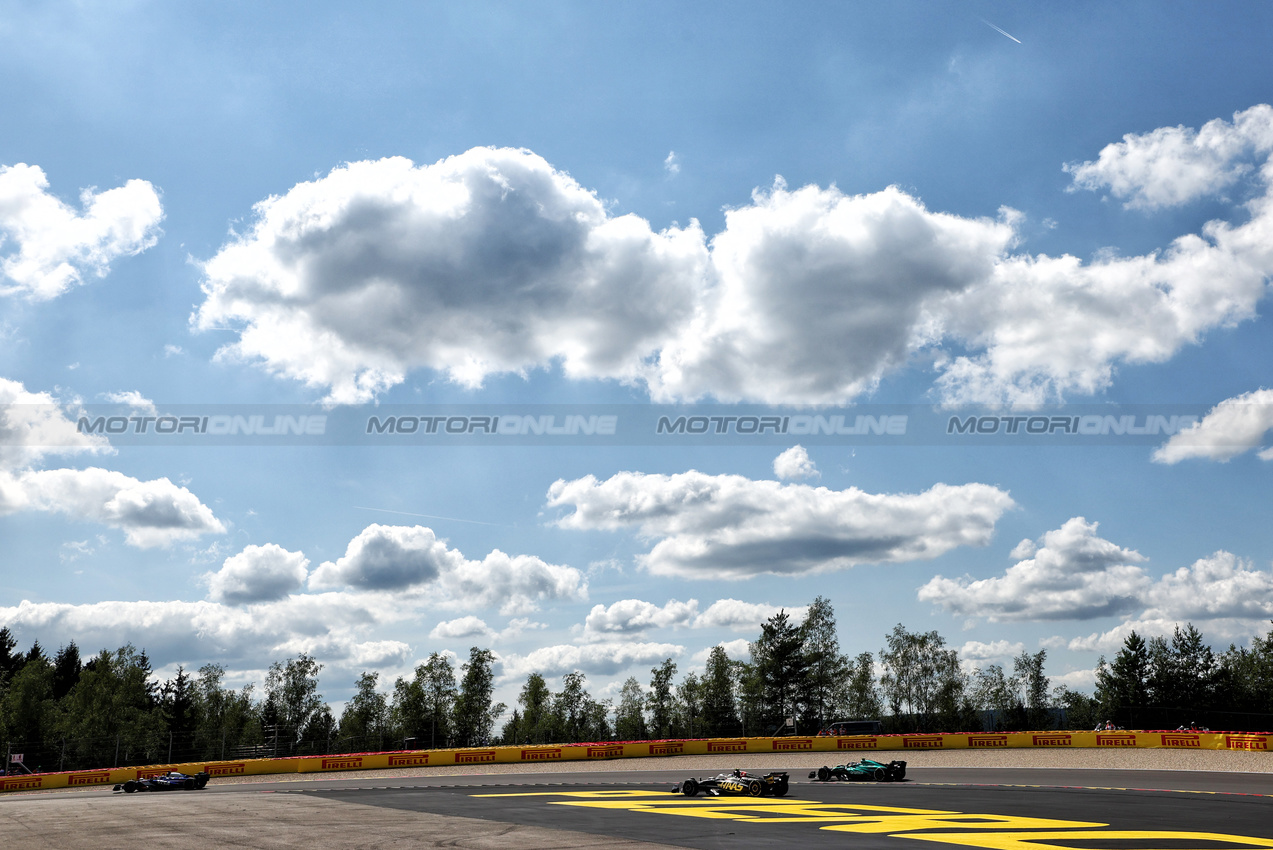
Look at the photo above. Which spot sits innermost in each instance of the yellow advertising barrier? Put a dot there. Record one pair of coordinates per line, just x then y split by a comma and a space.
848, 746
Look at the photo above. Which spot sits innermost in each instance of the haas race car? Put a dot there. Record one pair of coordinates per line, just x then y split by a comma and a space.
869, 769
173, 781
737, 783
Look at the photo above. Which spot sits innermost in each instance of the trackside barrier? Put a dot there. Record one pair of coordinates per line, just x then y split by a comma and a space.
847, 745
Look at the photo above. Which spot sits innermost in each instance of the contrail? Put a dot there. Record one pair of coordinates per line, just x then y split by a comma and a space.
426, 516
1000, 31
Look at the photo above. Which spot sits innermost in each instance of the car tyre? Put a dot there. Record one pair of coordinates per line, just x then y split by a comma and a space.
130, 786
188, 784
879, 774
755, 788
824, 774
780, 790
689, 788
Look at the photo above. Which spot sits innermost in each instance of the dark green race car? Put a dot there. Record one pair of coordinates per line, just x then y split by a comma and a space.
868, 769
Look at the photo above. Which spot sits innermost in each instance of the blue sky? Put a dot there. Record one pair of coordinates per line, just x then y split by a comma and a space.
842, 205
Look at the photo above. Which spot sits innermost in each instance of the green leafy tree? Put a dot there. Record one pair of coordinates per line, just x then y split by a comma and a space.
859, 696
1122, 687
291, 688
689, 707
922, 680
474, 715
826, 667
994, 692
111, 715
422, 706
577, 716
364, 722
66, 670
781, 669
1028, 670
720, 706
227, 719
629, 717
661, 700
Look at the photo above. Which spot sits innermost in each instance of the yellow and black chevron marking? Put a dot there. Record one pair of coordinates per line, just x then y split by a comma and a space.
997, 832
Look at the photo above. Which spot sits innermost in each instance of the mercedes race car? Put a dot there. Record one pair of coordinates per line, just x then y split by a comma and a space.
172, 781
737, 782
893, 771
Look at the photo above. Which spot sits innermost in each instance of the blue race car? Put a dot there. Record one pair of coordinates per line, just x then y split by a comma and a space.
171, 781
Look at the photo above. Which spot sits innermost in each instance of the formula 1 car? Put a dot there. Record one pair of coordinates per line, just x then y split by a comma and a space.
172, 781
737, 782
894, 771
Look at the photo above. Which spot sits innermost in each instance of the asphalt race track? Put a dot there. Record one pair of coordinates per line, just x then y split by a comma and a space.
1022, 809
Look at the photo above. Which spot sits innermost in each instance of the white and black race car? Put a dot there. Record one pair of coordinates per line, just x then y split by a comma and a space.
736, 783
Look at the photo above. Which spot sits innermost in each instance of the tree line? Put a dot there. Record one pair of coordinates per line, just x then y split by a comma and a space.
63, 712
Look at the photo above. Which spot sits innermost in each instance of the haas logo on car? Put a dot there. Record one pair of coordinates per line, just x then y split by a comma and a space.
733, 785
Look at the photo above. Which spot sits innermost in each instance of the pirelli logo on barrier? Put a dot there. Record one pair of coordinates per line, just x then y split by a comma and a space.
475, 758
1246, 742
349, 763
24, 783
1115, 740
798, 744
922, 742
94, 777
987, 740
727, 746
667, 749
228, 769
1052, 740
409, 761
613, 751
855, 743
541, 754
1188, 741
152, 772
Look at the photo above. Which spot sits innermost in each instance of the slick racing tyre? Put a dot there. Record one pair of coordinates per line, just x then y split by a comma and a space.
130, 786
689, 788
755, 788
188, 784
879, 774
780, 790
824, 774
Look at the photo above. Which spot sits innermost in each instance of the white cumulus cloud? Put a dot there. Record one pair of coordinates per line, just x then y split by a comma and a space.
1233, 426
489, 261
729, 526
47, 246
385, 557
461, 627
150, 513
258, 574
632, 616
603, 659
795, 463
1073, 574
975, 650
743, 616
1174, 165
